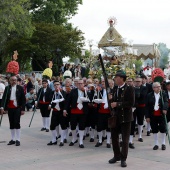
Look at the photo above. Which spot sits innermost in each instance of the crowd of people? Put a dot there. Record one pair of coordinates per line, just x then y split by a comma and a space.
80, 109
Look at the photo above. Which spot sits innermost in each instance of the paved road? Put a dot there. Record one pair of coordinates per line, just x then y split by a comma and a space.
34, 154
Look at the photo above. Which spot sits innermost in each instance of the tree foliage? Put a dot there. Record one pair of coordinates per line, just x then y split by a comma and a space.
15, 20
37, 28
164, 51
54, 11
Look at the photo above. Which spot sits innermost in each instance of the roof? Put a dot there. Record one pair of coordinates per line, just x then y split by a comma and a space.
111, 38
146, 51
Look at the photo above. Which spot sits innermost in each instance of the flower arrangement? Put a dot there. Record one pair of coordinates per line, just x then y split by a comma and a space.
157, 75
47, 73
13, 66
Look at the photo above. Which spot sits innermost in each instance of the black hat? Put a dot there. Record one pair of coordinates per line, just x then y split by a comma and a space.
121, 73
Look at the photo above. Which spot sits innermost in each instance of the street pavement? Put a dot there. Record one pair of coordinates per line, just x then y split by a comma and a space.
34, 154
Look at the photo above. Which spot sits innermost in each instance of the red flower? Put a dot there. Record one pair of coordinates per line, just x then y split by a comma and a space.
157, 75
12, 67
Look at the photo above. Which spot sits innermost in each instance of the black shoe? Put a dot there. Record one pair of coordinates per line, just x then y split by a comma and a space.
114, 160
98, 144
17, 143
11, 142
108, 145
140, 140
65, 140
81, 146
70, 134
72, 143
131, 145
87, 135
91, 140
61, 144
123, 164
155, 147
42, 129
47, 130
163, 147
58, 137
148, 133
50, 143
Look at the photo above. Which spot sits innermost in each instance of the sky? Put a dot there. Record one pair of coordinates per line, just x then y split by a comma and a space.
142, 21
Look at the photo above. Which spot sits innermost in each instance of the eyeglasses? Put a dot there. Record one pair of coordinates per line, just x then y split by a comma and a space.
157, 87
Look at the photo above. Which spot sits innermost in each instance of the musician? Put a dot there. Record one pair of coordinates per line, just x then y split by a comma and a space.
156, 106
13, 101
79, 110
45, 96
92, 113
149, 89
103, 115
139, 112
57, 117
123, 101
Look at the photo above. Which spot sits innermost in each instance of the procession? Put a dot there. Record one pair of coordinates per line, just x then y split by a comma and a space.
66, 104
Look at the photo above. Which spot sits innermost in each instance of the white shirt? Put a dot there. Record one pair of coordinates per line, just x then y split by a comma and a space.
2, 88
156, 106
13, 93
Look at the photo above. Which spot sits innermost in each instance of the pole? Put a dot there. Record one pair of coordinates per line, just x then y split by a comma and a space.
35, 108
167, 128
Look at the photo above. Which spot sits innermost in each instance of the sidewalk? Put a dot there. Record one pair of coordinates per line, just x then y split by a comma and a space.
34, 154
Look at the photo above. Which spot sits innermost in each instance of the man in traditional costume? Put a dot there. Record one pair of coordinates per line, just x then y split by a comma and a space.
13, 101
156, 106
79, 110
44, 97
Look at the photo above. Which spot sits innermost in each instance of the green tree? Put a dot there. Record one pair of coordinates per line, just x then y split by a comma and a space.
164, 51
15, 20
54, 11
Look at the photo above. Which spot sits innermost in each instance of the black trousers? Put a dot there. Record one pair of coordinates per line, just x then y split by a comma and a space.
44, 110
91, 120
14, 118
124, 129
158, 124
140, 113
102, 122
78, 119
133, 123
57, 118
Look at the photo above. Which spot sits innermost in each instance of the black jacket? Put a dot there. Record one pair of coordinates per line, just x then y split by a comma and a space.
124, 103
20, 97
150, 103
61, 104
48, 95
140, 95
72, 101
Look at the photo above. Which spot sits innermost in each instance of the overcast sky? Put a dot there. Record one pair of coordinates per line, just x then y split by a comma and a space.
143, 21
